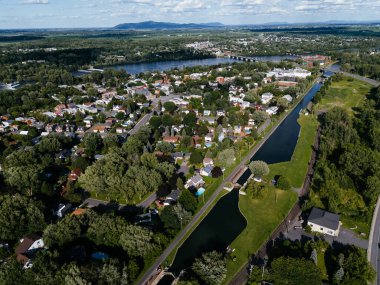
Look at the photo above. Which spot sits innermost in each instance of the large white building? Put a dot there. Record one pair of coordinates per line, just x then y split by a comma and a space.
324, 222
290, 73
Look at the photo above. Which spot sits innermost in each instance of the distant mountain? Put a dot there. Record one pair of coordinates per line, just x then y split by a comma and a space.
150, 25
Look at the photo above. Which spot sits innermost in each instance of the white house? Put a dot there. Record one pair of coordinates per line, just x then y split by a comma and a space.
208, 161
324, 222
272, 110
266, 98
206, 112
288, 98
206, 171
209, 138
194, 181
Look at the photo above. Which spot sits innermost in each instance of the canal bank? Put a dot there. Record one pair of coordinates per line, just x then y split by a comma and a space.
295, 110
199, 216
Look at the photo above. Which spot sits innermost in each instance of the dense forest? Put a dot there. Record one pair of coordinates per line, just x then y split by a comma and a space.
364, 64
347, 172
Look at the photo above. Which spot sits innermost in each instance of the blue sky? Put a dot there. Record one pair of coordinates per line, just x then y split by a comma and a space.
101, 13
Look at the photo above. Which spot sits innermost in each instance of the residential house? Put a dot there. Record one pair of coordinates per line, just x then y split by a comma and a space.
266, 98
208, 161
29, 244
63, 210
206, 171
88, 121
324, 222
272, 110
74, 174
177, 156
206, 113
220, 113
288, 98
172, 139
194, 182
209, 138
172, 197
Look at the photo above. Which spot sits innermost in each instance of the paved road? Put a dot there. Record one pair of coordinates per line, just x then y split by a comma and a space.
148, 201
141, 123
355, 76
146, 118
175, 243
373, 254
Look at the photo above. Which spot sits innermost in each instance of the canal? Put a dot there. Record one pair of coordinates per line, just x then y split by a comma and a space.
219, 228
224, 223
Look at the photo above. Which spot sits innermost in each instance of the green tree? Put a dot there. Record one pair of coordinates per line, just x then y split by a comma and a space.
167, 120
211, 268
190, 120
106, 230
259, 168
73, 276
25, 178
155, 122
165, 147
294, 271
283, 183
170, 107
196, 157
175, 217
19, 216
137, 241
92, 143
226, 157
356, 268
188, 201
260, 116
65, 231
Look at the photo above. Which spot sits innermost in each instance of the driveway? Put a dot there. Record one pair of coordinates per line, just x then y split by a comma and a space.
346, 236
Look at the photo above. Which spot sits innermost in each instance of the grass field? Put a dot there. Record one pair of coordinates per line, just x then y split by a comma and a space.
296, 169
346, 93
263, 216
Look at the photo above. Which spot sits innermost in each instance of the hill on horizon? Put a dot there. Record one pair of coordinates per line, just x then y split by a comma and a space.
148, 25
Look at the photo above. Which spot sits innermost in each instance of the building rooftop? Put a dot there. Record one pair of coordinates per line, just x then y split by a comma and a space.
324, 218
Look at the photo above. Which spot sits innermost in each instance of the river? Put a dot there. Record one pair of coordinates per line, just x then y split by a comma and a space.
180, 64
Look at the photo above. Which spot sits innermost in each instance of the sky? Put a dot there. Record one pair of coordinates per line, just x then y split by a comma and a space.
102, 13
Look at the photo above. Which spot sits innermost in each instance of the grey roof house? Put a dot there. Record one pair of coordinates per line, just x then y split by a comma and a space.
324, 222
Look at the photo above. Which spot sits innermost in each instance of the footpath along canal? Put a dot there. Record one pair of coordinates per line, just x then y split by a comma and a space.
224, 223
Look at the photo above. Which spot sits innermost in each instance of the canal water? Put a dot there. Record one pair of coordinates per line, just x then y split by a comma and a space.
281, 144
214, 233
219, 228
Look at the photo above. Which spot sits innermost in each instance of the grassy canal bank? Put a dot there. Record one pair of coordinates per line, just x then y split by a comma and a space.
266, 213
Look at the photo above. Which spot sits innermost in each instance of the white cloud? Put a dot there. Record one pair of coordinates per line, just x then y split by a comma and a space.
36, 2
